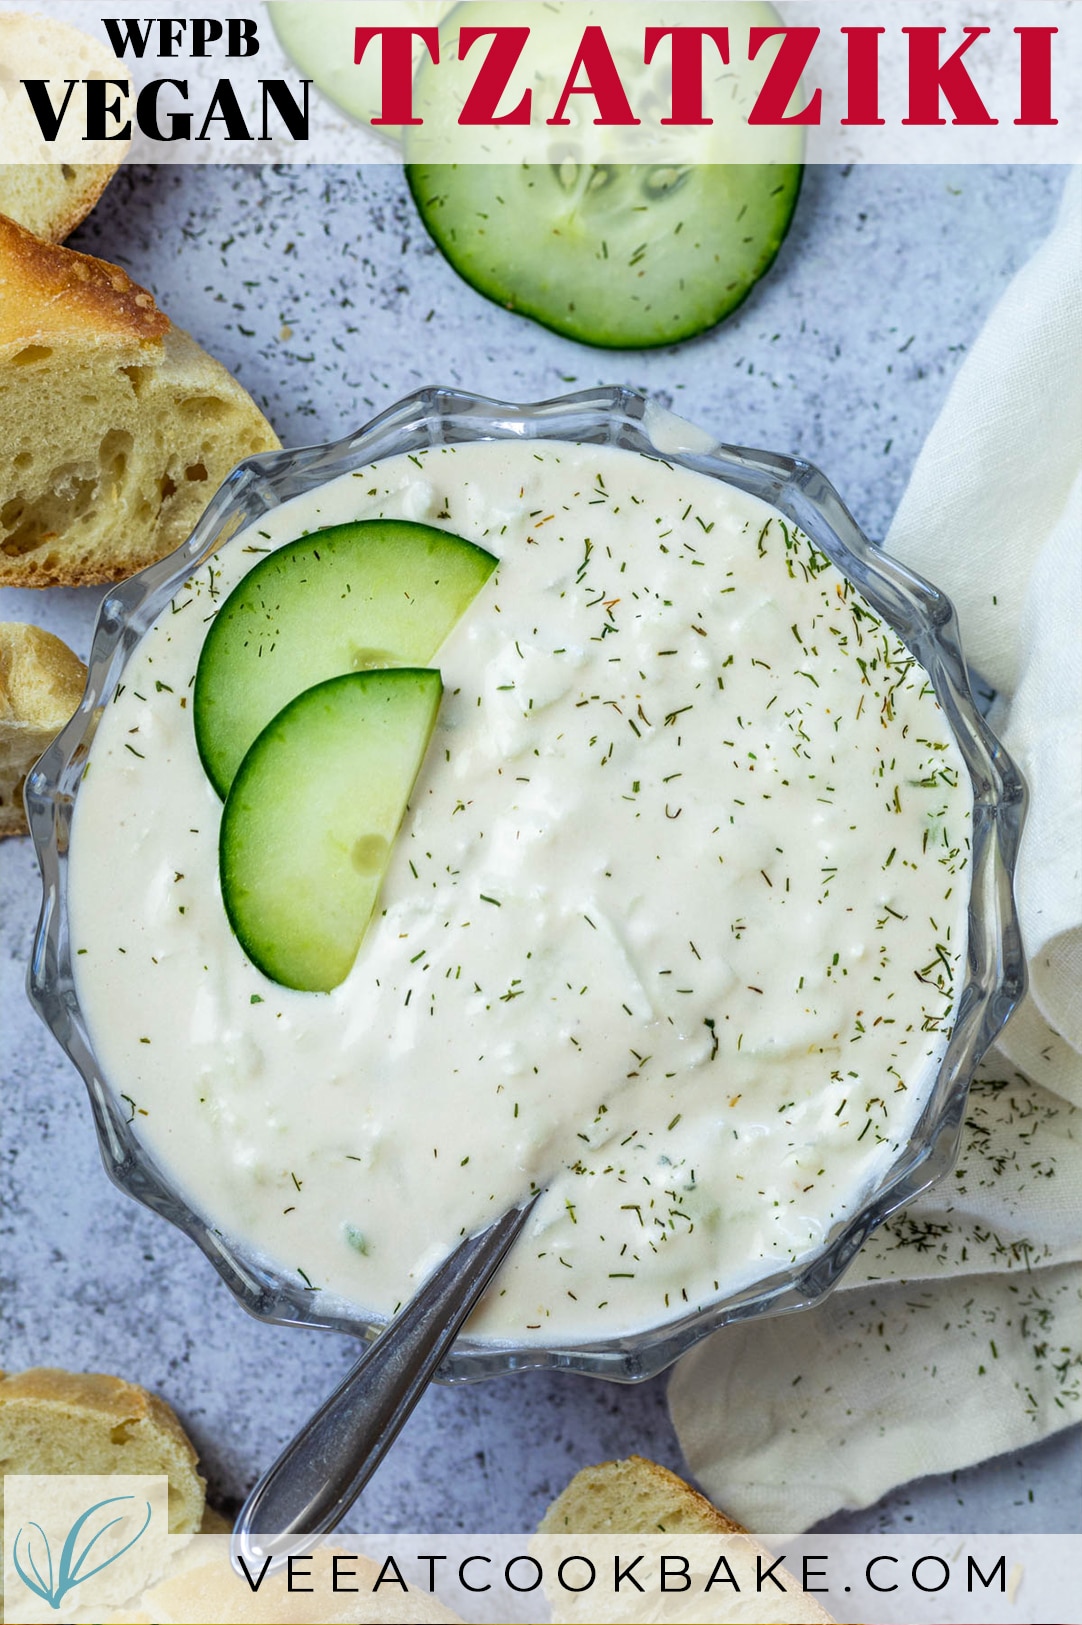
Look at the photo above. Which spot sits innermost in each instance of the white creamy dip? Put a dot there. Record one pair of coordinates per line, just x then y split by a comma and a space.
672, 927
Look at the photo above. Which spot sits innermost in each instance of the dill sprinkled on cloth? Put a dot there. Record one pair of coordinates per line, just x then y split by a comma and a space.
956, 1335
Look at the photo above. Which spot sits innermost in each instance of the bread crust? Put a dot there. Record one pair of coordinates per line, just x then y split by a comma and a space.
64, 1421
49, 293
50, 188
58, 182
650, 1498
52, 199
115, 427
89, 183
41, 679
41, 684
95, 1392
639, 1497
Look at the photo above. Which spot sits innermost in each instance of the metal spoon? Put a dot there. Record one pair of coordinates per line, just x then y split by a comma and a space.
320, 1474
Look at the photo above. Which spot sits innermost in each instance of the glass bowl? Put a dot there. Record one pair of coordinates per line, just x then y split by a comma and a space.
918, 612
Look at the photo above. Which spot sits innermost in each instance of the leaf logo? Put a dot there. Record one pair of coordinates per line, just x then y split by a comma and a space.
53, 1586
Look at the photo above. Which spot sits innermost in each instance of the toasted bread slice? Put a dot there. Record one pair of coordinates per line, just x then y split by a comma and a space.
115, 427
637, 1497
41, 683
60, 1422
47, 188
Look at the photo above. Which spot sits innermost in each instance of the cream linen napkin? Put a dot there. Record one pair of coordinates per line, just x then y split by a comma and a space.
957, 1334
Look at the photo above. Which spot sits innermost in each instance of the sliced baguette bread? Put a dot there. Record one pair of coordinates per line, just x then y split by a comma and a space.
46, 188
637, 1497
51, 199
41, 683
115, 427
59, 1422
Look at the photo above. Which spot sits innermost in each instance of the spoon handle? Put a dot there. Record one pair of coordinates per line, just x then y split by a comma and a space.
321, 1472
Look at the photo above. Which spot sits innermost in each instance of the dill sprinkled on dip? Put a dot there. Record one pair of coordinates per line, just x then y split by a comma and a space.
673, 926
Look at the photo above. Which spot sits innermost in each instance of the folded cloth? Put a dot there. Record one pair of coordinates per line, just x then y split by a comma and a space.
957, 1334
954, 1337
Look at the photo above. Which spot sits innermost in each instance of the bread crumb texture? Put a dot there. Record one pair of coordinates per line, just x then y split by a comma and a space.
62, 1422
51, 199
41, 684
635, 1496
619, 1499
37, 186
115, 427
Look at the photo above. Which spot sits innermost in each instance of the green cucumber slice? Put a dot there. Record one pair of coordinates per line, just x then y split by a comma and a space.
318, 36
617, 256
311, 816
381, 592
624, 237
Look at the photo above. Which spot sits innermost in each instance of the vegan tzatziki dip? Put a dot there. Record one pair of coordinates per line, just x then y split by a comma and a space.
672, 927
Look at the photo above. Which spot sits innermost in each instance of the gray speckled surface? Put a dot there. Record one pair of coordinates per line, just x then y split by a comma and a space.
321, 291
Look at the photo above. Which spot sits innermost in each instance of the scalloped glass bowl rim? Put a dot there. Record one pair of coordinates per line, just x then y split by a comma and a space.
919, 613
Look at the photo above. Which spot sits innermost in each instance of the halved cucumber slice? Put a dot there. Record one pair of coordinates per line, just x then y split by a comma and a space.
620, 256
311, 816
382, 592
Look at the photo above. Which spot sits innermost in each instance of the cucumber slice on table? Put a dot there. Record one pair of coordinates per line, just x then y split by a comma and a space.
381, 592
319, 34
620, 256
625, 236
311, 816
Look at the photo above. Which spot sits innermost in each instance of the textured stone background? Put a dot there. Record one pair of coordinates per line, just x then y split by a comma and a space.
321, 291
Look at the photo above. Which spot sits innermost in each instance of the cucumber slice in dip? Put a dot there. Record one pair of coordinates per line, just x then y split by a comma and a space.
311, 816
354, 597
619, 256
